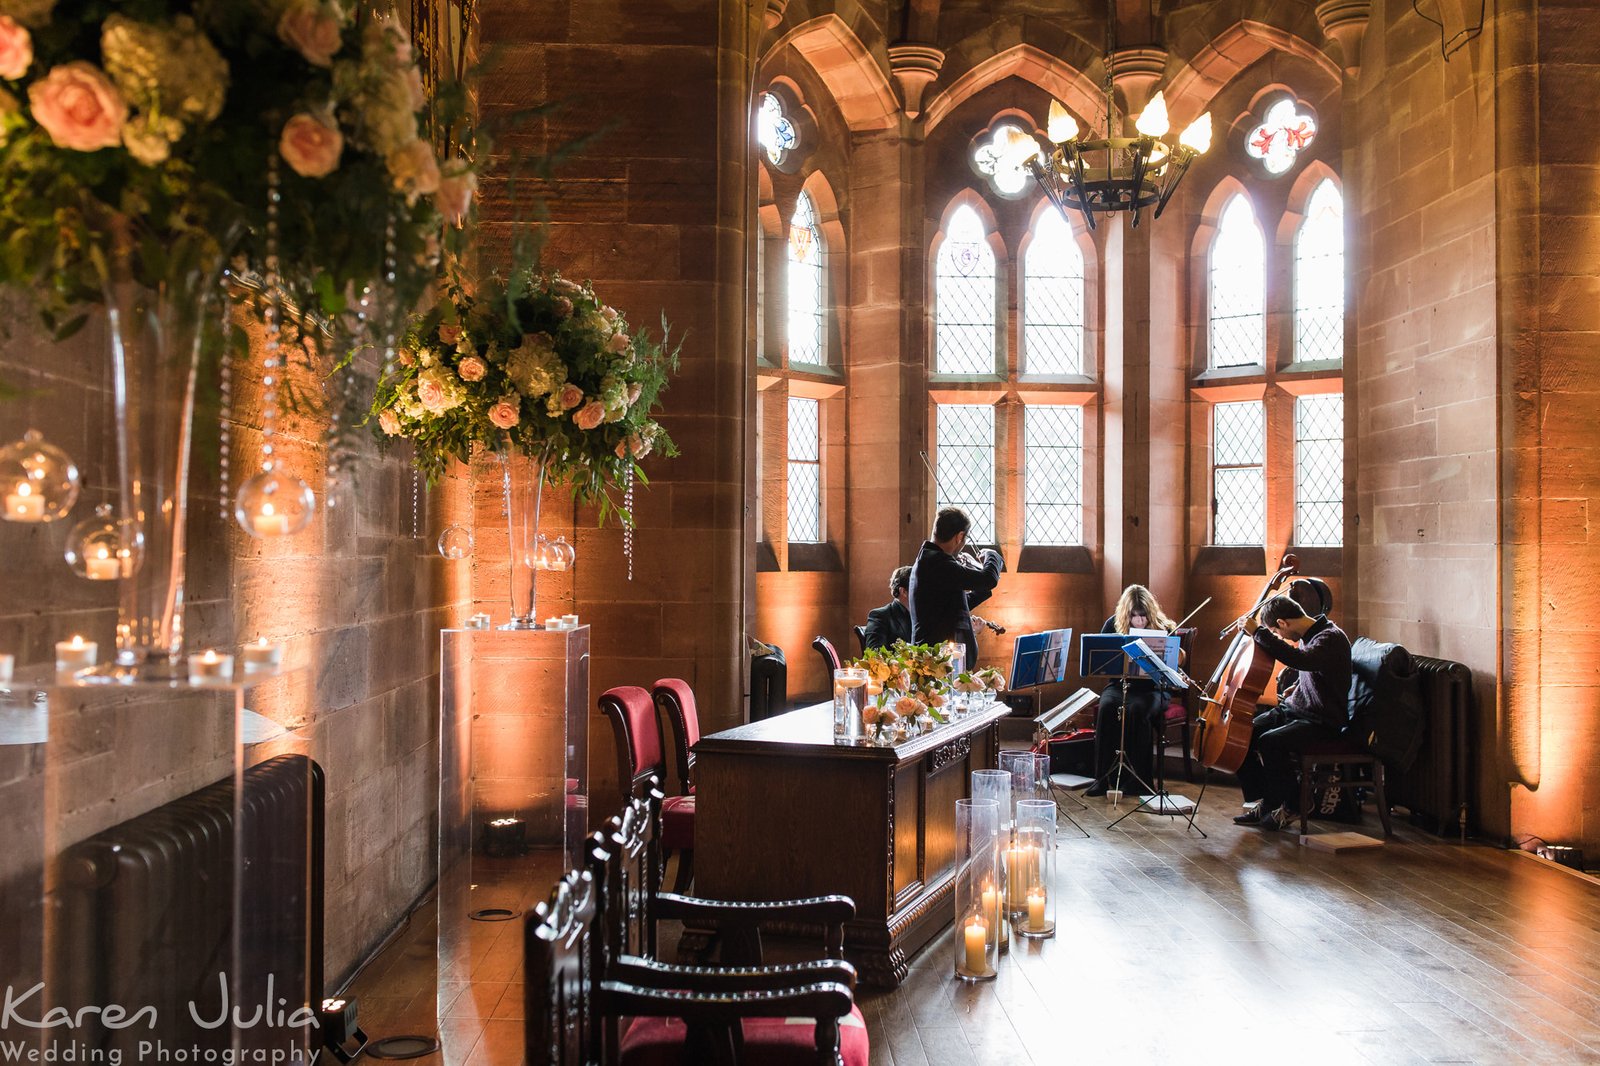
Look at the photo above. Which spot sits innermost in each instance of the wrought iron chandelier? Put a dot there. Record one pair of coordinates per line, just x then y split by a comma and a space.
1100, 175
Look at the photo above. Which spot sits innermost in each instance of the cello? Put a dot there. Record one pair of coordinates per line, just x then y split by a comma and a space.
1228, 704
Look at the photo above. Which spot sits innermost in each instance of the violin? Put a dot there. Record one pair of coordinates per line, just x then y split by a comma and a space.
1228, 703
994, 627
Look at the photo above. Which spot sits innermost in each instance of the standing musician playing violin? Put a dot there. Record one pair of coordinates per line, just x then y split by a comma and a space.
945, 584
1316, 708
1136, 608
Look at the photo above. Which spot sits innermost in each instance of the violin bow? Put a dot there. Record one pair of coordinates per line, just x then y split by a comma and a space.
1194, 612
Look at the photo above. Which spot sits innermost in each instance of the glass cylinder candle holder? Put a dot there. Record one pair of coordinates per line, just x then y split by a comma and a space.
995, 785
1030, 775
849, 700
1032, 903
977, 889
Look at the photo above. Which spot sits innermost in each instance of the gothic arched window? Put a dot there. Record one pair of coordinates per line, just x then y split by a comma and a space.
964, 296
1319, 277
774, 131
806, 287
1052, 299
1237, 333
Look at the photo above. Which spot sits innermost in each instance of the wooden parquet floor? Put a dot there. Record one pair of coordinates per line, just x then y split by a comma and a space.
1242, 948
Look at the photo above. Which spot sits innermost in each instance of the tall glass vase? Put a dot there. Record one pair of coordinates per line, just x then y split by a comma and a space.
155, 337
524, 485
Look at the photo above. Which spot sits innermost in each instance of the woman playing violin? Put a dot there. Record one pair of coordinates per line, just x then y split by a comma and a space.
1137, 608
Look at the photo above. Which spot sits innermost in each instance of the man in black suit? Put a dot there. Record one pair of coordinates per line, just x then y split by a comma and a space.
946, 584
892, 621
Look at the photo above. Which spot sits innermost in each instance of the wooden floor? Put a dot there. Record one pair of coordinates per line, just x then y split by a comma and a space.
1241, 948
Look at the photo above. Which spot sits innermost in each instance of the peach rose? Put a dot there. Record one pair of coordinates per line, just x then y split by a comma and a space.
621, 449
633, 393
619, 342
389, 422
590, 415
407, 357
505, 414
472, 368
571, 396
431, 394
16, 49
640, 445
456, 186
79, 107
414, 169
449, 334
311, 32
608, 313
563, 306
310, 146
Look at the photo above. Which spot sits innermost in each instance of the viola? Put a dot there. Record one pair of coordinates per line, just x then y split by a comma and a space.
1228, 704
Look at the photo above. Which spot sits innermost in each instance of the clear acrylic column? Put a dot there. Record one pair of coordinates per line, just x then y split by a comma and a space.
977, 889
1031, 901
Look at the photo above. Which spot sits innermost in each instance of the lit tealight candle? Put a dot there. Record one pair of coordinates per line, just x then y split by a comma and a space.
24, 504
8, 664
554, 623
269, 523
570, 621
261, 656
101, 566
1036, 897
75, 654
210, 667
976, 937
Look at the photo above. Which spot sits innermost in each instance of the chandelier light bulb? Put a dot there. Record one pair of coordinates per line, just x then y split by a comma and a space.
1198, 135
1153, 122
1020, 147
1062, 127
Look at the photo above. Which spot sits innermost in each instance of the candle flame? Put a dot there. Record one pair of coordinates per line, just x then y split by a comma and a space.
209, 657
77, 641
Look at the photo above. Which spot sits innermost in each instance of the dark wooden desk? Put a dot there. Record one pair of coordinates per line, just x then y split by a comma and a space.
783, 812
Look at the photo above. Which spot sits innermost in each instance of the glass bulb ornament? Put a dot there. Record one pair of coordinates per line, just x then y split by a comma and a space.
539, 554
103, 547
274, 505
455, 542
562, 554
38, 481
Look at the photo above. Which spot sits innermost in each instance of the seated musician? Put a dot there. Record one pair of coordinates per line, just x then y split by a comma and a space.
1137, 608
892, 621
1314, 598
947, 580
1315, 709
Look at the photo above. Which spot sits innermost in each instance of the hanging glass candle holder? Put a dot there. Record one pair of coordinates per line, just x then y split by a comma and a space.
455, 542
103, 548
39, 482
562, 554
271, 504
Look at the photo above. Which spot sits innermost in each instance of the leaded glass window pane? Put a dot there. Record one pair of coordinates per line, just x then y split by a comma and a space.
806, 307
1052, 299
1319, 470
964, 292
1238, 479
1052, 495
1319, 277
774, 132
964, 449
1238, 276
805, 472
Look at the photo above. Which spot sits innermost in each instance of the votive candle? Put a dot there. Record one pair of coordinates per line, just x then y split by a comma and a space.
75, 654
570, 621
976, 936
269, 523
101, 567
261, 655
210, 666
24, 504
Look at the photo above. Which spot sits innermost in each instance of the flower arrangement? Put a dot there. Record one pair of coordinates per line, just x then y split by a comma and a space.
535, 363
906, 681
287, 136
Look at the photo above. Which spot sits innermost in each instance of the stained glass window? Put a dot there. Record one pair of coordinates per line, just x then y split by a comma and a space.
807, 311
1238, 275
1052, 299
1284, 134
1052, 475
1319, 470
805, 472
774, 132
1238, 481
1319, 277
964, 450
999, 160
964, 294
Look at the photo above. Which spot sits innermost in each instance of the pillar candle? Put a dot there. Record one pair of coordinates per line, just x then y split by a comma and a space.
1016, 876
976, 939
1036, 908
7, 665
991, 903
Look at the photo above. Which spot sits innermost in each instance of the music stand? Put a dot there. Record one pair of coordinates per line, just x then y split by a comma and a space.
1164, 671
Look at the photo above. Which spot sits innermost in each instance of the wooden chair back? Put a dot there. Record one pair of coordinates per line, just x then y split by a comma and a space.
633, 721
830, 657
675, 702
563, 1023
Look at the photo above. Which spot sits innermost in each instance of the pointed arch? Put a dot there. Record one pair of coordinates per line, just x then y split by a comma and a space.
1235, 305
1052, 297
1191, 90
965, 257
1319, 275
857, 81
1026, 61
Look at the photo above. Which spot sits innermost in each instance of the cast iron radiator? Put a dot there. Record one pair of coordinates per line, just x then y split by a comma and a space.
145, 914
1436, 788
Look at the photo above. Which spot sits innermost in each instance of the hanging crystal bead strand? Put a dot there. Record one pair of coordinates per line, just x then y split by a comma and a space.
225, 403
627, 526
272, 504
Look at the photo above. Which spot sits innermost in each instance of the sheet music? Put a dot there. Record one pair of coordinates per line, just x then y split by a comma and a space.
1155, 640
1147, 660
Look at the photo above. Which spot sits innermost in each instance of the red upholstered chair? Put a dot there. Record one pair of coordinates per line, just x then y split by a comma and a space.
675, 704
639, 760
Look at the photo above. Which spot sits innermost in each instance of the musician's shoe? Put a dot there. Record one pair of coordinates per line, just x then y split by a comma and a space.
1251, 817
